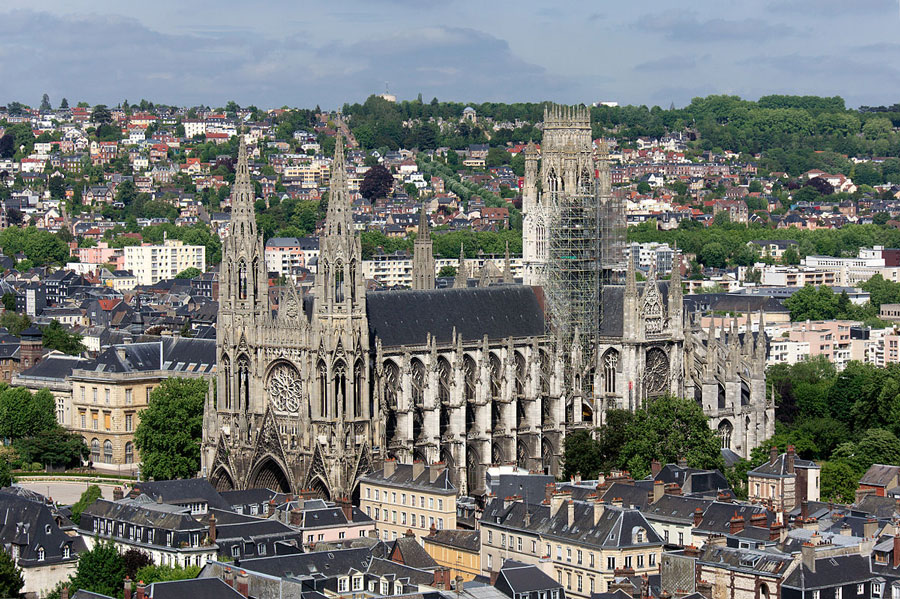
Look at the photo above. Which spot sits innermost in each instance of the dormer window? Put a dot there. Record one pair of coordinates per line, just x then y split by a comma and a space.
40, 554
47, 529
66, 552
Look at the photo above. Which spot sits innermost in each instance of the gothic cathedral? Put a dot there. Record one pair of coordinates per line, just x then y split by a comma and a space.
313, 392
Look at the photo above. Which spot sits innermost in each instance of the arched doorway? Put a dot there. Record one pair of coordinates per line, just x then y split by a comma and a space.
222, 480
269, 475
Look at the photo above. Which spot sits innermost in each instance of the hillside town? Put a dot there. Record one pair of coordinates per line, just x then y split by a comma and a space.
282, 354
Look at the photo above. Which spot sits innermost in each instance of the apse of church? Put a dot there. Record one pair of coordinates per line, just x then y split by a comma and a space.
316, 393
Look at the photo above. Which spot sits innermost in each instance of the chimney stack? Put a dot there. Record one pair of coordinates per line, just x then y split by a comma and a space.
682, 462
556, 502
698, 517
655, 468
775, 531
577, 478
659, 489
64, 593
773, 454
896, 549
270, 511
599, 509
346, 507
390, 466
296, 517
140, 589
549, 491
243, 583
570, 517
228, 577
212, 530
418, 469
435, 471
804, 510
118, 494
790, 459
736, 524
808, 556
126, 588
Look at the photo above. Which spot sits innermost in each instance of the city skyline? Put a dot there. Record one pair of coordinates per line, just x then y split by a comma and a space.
284, 54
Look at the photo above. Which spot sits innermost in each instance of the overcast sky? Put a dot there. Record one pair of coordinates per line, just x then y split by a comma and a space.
300, 53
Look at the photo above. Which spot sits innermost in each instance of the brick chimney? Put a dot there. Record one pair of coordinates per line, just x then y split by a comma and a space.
243, 583
655, 468
510, 500
704, 588
804, 510
118, 494
296, 518
495, 574
896, 550
775, 531
672, 489
418, 469
773, 454
64, 593
691, 551
577, 478
736, 524
698, 517
127, 588
409, 534
549, 490
212, 529
682, 463
140, 589
435, 471
228, 577
390, 466
759, 520
270, 510
789, 459
441, 579
346, 507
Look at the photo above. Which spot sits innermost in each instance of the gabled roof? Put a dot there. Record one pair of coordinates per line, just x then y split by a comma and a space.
880, 475
779, 468
182, 491
194, 588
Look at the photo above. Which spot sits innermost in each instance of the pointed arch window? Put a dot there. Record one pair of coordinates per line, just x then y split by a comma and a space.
255, 278
445, 376
243, 372
242, 280
339, 381
496, 381
610, 365
226, 375
417, 369
357, 389
352, 281
338, 282
391, 385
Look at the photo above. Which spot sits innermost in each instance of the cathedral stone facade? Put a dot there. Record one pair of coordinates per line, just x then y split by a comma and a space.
313, 393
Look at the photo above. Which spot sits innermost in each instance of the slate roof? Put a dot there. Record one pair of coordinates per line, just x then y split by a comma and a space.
403, 478
693, 480
407, 317
467, 540
718, 515
613, 530
150, 514
182, 491
830, 572
752, 560
54, 366
675, 508
778, 468
523, 578
317, 563
30, 524
180, 354
194, 588
880, 507
530, 487
411, 553
880, 475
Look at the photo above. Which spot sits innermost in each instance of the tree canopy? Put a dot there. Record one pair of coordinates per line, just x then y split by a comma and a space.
170, 429
25, 414
56, 336
377, 183
11, 579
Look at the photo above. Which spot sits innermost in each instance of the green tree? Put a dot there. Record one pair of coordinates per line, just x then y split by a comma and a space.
101, 115
643, 188
45, 104
150, 573
581, 455
6, 478
15, 323
9, 301
11, 579
189, 273
666, 429
58, 338
839, 481
90, 495
135, 559
714, 255
64, 104
53, 447
170, 429
23, 414
447, 271
100, 570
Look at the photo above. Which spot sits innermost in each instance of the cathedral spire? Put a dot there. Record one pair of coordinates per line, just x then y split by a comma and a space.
423, 256
242, 195
462, 273
424, 230
339, 219
507, 269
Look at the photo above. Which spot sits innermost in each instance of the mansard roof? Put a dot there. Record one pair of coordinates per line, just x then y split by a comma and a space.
500, 311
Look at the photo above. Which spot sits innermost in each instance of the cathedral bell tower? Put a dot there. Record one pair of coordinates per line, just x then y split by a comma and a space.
243, 305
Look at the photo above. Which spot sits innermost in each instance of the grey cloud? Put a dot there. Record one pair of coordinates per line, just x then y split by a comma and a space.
685, 26
831, 8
